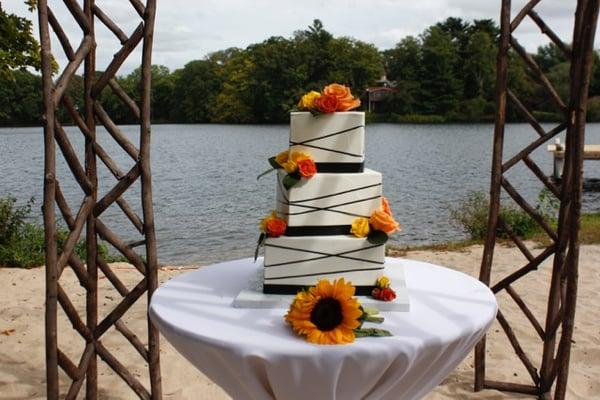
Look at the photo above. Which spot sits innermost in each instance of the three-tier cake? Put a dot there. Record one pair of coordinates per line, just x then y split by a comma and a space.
332, 218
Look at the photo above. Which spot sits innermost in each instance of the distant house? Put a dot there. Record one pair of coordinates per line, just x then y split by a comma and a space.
378, 93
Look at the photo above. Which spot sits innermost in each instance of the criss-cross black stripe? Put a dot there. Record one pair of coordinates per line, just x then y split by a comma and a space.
327, 149
323, 255
324, 273
336, 194
331, 134
305, 142
312, 209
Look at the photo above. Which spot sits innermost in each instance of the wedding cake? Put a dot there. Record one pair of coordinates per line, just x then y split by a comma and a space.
331, 219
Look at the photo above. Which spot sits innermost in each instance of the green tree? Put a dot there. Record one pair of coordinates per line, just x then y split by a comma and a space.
18, 48
440, 87
20, 99
485, 25
278, 79
234, 102
479, 65
355, 63
403, 65
403, 62
548, 56
195, 90
312, 45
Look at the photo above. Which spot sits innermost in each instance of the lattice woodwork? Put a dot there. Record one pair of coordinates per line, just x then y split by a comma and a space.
88, 215
557, 331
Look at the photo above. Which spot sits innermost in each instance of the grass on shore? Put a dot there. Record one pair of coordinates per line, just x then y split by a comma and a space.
589, 234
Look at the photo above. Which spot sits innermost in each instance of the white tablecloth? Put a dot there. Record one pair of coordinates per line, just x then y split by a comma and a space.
253, 353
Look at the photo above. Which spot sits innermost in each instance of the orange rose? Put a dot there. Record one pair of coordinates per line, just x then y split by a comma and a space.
327, 103
345, 98
275, 227
385, 206
382, 221
307, 168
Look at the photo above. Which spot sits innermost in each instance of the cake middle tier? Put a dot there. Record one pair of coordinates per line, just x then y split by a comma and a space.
328, 199
295, 262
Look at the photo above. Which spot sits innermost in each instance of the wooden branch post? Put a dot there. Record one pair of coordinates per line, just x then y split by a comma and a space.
568, 166
54, 95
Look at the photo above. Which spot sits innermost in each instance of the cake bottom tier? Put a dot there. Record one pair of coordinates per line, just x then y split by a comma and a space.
293, 263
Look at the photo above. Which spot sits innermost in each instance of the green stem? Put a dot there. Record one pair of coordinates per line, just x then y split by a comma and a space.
265, 173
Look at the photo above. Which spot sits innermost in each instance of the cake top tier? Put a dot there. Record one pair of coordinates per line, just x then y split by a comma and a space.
335, 141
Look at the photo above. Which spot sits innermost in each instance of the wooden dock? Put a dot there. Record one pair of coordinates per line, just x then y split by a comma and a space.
590, 152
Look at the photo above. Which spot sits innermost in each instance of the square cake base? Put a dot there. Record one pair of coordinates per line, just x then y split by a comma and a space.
253, 296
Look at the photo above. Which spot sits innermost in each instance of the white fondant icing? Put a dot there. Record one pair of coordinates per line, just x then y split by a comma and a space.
329, 198
317, 132
304, 260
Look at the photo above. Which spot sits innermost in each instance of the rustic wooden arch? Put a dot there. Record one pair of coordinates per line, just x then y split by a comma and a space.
557, 332
92, 206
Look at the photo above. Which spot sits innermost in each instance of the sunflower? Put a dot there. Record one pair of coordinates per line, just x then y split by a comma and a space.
326, 313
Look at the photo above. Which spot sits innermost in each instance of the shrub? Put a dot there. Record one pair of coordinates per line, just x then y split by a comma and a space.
471, 214
12, 218
22, 243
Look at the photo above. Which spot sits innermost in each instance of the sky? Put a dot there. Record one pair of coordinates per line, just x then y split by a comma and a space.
189, 30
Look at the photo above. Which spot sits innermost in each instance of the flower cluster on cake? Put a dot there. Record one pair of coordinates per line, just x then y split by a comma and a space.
331, 220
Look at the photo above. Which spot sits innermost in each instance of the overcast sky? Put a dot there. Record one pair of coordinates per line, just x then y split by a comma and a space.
188, 30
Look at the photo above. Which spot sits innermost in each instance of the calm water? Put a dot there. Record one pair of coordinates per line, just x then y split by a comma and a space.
207, 201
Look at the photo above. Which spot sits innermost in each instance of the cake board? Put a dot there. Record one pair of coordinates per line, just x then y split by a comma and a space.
253, 296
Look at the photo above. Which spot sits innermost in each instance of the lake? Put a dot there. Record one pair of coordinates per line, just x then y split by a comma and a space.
207, 201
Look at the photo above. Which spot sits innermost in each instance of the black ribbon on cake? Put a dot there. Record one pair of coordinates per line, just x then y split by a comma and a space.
340, 167
269, 288
309, 230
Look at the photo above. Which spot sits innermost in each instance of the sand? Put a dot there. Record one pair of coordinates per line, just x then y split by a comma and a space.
22, 365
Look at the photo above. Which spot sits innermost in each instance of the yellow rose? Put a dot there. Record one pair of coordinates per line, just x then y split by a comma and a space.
307, 102
290, 164
286, 163
282, 157
383, 282
297, 156
360, 227
265, 220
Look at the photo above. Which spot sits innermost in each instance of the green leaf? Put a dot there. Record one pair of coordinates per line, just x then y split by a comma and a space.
373, 332
259, 243
370, 310
290, 180
374, 318
377, 237
274, 163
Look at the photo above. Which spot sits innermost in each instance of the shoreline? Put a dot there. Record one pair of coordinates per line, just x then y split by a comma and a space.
22, 373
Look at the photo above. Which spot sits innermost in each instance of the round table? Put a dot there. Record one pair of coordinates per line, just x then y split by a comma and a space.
253, 353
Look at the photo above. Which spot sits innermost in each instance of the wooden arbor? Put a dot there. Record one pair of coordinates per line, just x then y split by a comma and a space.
557, 332
89, 213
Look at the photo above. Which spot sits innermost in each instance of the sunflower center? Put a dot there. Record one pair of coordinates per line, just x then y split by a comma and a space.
327, 314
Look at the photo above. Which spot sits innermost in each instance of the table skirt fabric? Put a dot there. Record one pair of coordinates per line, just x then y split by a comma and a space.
253, 353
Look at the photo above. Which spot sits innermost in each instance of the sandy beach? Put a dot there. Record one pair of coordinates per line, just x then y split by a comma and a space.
22, 365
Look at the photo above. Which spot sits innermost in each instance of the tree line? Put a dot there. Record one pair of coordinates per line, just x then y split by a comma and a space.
447, 73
